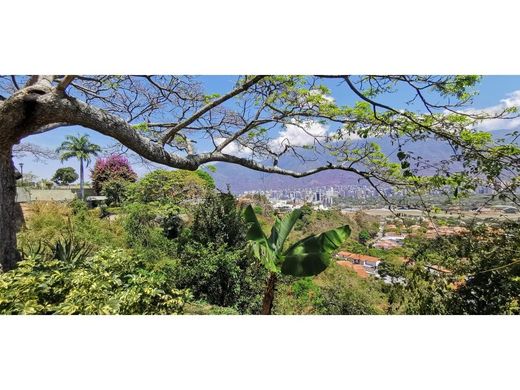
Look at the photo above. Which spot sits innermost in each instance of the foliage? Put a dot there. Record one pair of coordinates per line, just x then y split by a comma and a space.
111, 282
78, 206
479, 272
144, 226
364, 236
116, 191
306, 257
342, 292
112, 168
210, 183
169, 186
221, 275
69, 250
218, 219
140, 222
337, 291
65, 176
297, 297
48, 221
78, 147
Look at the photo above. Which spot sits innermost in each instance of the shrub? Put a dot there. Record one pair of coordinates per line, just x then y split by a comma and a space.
112, 282
139, 223
169, 186
218, 219
78, 206
221, 276
46, 222
114, 167
343, 292
116, 191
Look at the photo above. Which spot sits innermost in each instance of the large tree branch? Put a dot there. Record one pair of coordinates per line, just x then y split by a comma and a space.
64, 83
175, 129
75, 112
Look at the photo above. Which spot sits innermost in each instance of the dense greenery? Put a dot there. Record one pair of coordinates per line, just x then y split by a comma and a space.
177, 186
114, 168
176, 245
473, 273
65, 176
110, 282
308, 256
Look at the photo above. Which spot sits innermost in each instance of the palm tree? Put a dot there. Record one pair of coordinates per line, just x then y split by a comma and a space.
81, 148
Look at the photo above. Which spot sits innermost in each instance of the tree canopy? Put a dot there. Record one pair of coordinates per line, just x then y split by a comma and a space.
261, 119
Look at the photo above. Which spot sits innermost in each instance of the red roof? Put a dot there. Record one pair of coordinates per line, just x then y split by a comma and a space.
358, 269
357, 256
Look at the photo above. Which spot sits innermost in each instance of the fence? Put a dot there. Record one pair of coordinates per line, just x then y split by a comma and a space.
25, 195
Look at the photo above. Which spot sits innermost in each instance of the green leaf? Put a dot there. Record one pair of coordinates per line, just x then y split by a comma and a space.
311, 255
282, 228
261, 247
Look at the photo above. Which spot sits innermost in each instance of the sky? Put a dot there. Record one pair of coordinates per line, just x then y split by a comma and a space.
494, 91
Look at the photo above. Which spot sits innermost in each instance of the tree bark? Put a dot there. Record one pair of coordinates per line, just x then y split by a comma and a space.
9, 254
81, 190
267, 304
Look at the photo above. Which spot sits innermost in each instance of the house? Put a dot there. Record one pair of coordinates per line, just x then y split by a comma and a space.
386, 244
369, 263
358, 269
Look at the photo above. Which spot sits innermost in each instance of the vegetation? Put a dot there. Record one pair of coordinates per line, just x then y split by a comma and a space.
114, 168
170, 241
65, 176
110, 282
306, 257
79, 148
153, 258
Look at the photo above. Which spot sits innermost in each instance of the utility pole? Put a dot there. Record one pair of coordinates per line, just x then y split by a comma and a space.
21, 173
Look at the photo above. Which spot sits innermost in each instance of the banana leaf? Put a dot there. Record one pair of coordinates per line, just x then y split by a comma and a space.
312, 255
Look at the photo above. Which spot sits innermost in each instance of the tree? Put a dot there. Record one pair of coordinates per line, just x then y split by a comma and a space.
65, 176
162, 119
218, 220
113, 167
165, 186
221, 275
306, 257
81, 148
364, 236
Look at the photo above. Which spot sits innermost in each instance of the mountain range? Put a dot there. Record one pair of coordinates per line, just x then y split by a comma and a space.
240, 179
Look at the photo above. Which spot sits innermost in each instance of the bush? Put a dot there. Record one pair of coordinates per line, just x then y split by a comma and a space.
139, 223
113, 167
112, 282
78, 206
343, 292
116, 191
47, 221
169, 186
218, 219
221, 276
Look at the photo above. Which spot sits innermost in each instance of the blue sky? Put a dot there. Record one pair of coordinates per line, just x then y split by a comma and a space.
492, 90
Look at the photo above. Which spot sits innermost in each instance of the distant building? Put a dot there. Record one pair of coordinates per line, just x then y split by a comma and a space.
358, 269
369, 263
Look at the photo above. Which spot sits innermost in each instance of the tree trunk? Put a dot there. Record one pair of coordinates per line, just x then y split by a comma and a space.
267, 303
81, 189
9, 254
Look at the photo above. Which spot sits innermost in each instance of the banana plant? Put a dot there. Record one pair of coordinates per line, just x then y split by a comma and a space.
307, 257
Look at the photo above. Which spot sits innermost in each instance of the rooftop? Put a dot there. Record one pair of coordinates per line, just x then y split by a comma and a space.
358, 269
357, 256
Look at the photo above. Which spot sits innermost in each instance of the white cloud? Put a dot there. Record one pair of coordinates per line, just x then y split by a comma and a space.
234, 148
300, 133
512, 100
